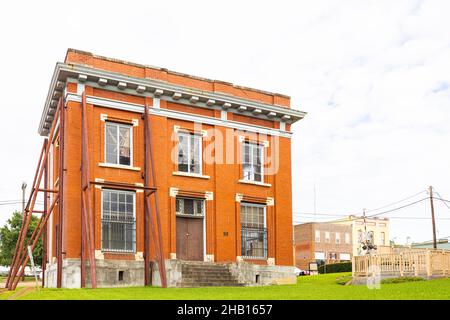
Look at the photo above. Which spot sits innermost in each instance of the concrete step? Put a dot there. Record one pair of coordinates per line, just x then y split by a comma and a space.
206, 279
210, 272
211, 284
204, 274
207, 267
190, 280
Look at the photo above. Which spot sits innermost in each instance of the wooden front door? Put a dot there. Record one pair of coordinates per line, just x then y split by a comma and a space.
190, 239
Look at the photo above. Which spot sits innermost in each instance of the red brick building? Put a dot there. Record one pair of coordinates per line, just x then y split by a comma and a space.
223, 190
322, 242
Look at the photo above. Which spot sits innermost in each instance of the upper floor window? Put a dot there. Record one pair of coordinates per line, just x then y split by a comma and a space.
118, 144
253, 162
317, 235
370, 237
189, 152
382, 238
347, 238
360, 236
327, 236
338, 238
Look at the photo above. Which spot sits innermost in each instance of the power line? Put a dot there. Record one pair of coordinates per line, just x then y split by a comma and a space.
405, 218
369, 216
399, 208
443, 200
441, 197
396, 202
320, 214
15, 203
15, 200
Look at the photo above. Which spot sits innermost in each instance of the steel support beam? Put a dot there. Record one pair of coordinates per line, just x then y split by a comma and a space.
88, 216
150, 169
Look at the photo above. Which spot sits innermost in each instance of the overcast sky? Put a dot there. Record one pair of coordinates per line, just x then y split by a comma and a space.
374, 77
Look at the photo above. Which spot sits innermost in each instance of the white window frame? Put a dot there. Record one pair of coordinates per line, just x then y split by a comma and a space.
317, 236
327, 237
188, 135
249, 204
337, 238
360, 236
119, 125
252, 173
347, 238
133, 193
382, 238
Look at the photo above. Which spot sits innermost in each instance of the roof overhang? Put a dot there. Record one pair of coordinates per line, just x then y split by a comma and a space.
145, 87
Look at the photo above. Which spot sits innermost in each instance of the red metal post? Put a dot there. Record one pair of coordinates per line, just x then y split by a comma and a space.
61, 195
32, 242
146, 211
29, 209
86, 194
44, 235
149, 161
24, 218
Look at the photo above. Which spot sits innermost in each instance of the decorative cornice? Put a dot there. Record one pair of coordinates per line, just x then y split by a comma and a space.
133, 107
144, 87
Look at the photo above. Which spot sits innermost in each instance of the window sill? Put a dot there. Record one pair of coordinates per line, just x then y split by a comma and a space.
197, 216
254, 258
106, 251
118, 166
256, 183
192, 175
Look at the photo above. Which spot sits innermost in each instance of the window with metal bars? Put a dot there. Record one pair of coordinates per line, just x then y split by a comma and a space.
253, 162
118, 221
253, 231
189, 206
118, 144
189, 152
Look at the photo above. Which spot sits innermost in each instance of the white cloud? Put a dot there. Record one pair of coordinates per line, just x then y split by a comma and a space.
372, 76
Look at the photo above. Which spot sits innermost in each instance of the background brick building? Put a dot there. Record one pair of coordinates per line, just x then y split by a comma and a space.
322, 242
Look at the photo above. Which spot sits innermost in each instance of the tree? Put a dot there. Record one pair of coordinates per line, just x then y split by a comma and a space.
9, 236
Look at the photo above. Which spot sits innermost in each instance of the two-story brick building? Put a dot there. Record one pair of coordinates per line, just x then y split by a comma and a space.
221, 166
322, 242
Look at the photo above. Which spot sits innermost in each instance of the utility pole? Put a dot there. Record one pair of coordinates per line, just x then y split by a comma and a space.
432, 217
24, 186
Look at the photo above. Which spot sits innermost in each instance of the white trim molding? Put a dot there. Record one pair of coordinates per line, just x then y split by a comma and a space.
99, 255
271, 261
270, 201
156, 103
147, 87
191, 175
256, 183
173, 192
139, 256
239, 197
209, 195
118, 166
126, 106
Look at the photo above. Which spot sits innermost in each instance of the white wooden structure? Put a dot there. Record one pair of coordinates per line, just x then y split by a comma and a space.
423, 263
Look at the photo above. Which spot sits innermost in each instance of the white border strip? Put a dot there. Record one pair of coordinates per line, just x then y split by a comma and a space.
127, 106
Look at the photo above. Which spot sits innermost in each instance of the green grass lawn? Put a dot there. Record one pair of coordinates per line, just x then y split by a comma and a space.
307, 287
